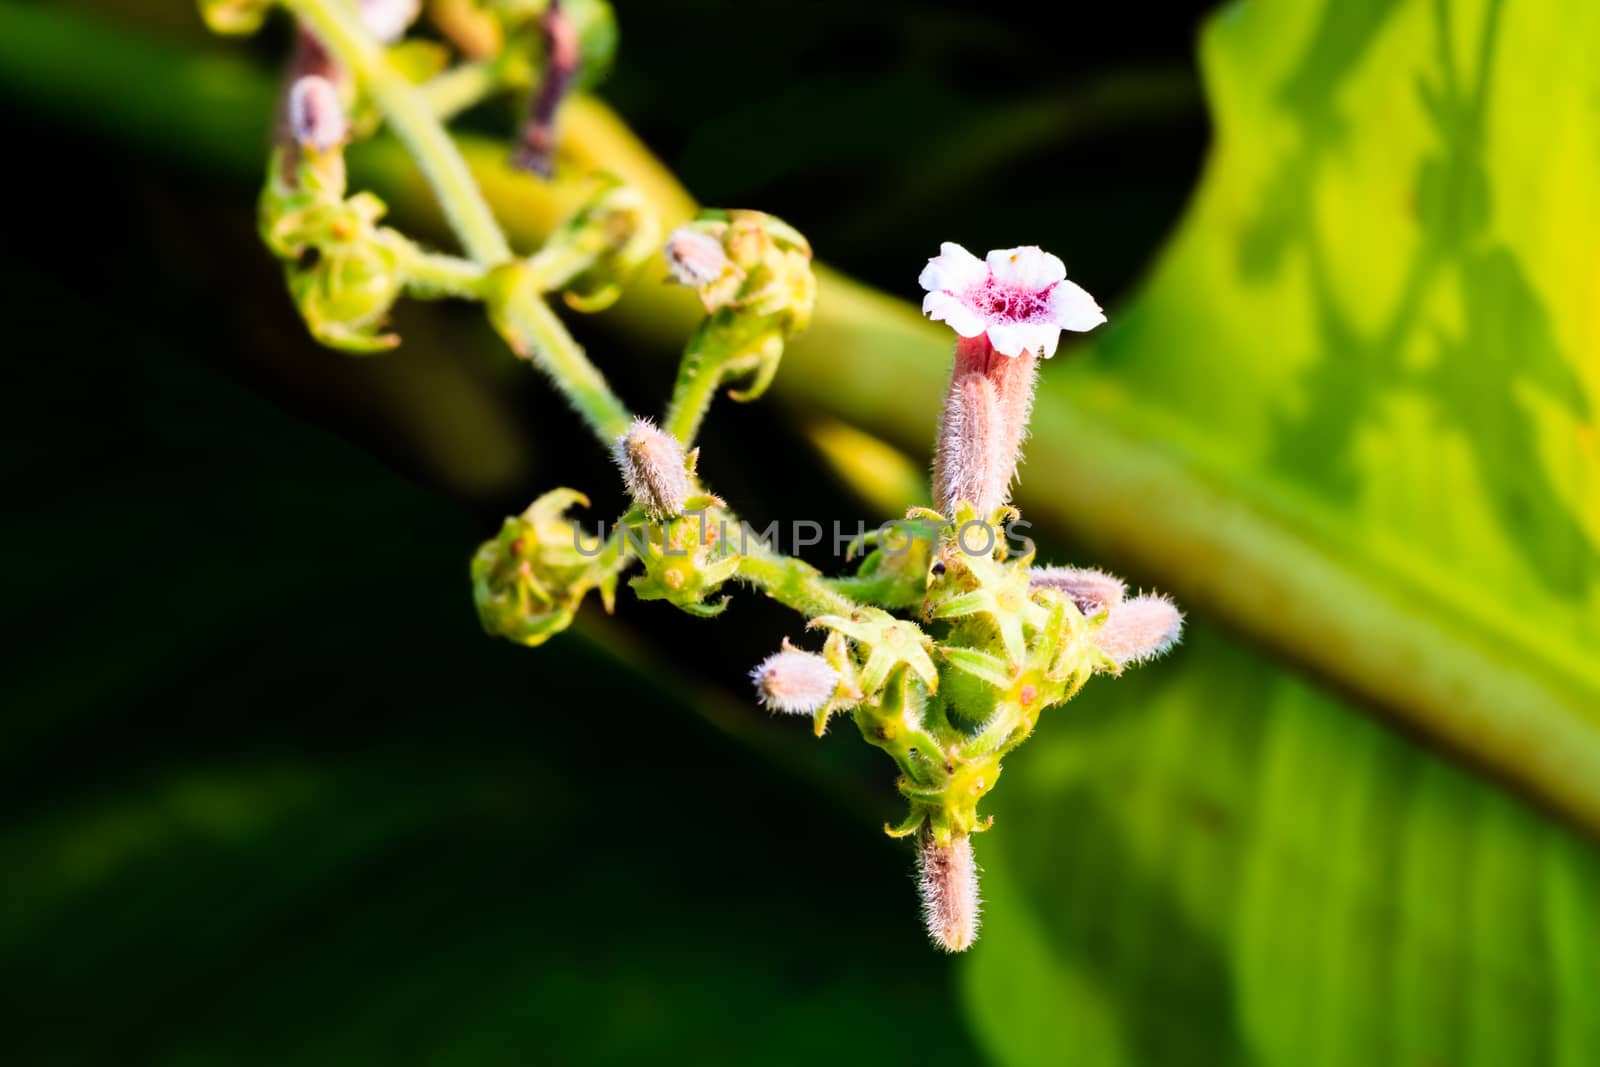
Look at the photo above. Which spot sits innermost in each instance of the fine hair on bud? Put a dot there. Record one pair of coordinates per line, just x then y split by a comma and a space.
947, 879
965, 463
1139, 629
983, 425
795, 682
654, 467
1091, 590
694, 257
316, 116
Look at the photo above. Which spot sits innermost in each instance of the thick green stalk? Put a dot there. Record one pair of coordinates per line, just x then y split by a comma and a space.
410, 114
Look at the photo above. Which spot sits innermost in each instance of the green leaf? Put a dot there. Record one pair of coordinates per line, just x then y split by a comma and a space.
1373, 342
1213, 863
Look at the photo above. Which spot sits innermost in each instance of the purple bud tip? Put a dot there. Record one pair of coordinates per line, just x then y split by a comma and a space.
1093, 591
316, 117
694, 257
947, 878
795, 682
387, 20
654, 467
1139, 629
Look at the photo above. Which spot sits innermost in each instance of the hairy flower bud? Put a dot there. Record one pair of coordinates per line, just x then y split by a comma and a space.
981, 430
795, 682
695, 258
1139, 629
947, 879
1091, 590
655, 469
387, 20
316, 116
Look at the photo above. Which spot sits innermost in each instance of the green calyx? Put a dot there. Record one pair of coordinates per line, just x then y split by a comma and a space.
529, 579
686, 559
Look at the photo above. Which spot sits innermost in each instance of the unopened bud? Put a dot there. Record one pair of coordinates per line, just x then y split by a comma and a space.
387, 20
695, 258
795, 682
316, 116
1091, 590
947, 878
980, 433
1139, 629
655, 469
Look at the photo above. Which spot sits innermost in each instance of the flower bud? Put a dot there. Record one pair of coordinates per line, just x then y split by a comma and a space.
597, 251
696, 259
655, 469
1139, 629
947, 879
764, 271
345, 292
980, 433
795, 682
529, 580
1091, 590
316, 116
387, 20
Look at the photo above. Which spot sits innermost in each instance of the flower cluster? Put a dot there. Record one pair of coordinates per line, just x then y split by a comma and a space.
944, 657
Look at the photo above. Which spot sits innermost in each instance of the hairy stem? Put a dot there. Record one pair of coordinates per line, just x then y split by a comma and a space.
794, 583
534, 333
433, 275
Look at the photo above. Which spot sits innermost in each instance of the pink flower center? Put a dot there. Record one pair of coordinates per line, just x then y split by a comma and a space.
1005, 303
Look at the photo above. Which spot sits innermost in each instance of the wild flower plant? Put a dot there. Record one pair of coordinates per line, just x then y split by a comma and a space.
944, 644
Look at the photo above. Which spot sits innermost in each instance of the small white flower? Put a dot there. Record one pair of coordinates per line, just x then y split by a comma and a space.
1020, 297
387, 20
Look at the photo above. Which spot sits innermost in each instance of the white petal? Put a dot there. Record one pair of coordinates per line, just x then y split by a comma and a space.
1009, 339
1012, 338
1028, 267
942, 307
953, 270
1046, 337
1074, 309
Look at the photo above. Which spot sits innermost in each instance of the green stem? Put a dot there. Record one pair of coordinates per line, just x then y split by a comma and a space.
794, 584
433, 275
534, 333
691, 399
411, 116
718, 349
468, 84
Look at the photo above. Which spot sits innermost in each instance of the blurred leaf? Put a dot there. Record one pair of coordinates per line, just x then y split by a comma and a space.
1212, 863
1379, 315
1380, 311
